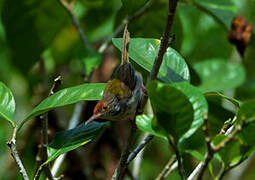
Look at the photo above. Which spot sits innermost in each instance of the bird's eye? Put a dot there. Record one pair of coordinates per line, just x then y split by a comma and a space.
105, 107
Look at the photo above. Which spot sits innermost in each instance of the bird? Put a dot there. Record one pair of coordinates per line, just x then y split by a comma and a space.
124, 94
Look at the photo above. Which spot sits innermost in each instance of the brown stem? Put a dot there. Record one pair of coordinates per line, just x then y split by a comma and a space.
138, 149
12, 145
69, 8
122, 166
44, 136
121, 27
178, 157
172, 4
211, 149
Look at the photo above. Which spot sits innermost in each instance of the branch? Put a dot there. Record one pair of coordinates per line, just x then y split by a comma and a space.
200, 169
202, 8
12, 145
134, 153
228, 168
122, 165
164, 172
44, 136
178, 157
172, 4
69, 7
127, 20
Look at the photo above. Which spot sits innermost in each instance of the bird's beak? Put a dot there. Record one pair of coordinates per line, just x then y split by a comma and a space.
92, 118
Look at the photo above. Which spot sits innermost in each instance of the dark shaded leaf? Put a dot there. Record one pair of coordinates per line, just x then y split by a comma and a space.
68, 140
30, 27
173, 111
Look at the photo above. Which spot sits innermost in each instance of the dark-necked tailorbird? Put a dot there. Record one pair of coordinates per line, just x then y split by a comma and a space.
123, 93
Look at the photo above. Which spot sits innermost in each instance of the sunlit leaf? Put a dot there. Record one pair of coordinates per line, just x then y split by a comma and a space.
7, 104
143, 52
144, 123
91, 91
218, 75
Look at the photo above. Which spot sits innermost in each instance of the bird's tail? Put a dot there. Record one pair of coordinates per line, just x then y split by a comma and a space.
126, 39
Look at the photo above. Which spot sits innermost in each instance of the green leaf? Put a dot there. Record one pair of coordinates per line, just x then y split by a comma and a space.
131, 6
195, 154
68, 140
173, 111
219, 75
247, 113
30, 26
218, 94
144, 123
199, 105
90, 58
234, 151
224, 11
170, 106
91, 91
143, 52
7, 104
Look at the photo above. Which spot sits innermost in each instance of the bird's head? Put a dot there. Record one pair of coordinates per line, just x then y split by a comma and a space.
104, 108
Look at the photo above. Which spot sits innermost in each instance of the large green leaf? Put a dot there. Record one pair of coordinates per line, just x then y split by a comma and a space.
173, 110
218, 75
194, 97
199, 105
144, 123
90, 91
7, 104
143, 52
68, 140
30, 26
222, 10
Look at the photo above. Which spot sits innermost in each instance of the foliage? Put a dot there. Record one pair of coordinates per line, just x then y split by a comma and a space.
201, 74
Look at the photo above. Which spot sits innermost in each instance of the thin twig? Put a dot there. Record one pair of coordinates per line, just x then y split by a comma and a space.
121, 27
134, 153
228, 168
172, 4
12, 145
178, 157
162, 174
44, 136
69, 7
122, 165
